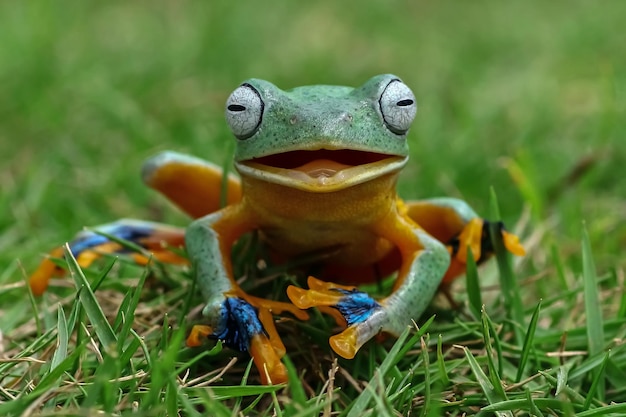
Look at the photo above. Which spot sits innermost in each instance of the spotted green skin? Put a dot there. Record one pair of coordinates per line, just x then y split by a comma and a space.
332, 117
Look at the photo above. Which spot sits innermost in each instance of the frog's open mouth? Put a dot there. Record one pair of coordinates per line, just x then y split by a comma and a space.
322, 169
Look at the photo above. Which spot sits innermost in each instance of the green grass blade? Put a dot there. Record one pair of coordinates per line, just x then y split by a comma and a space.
521, 170
508, 281
164, 362
187, 303
528, 343
122, 242
53, 375
62, 339
120, 317
533, 409
130, 308
617, 409
484, 381
144, 348
171, 396
497, 345
211, 352
621, 312
48, 382
34, 306
494, 375
474, 295
441, 363
558, 265
560, 384
233, 391
410, 344
103, 387
593, 312
359, 406
104, 273
428, 400
296, 389
561, 379
597, 384
129, 350
90, 304
524, 404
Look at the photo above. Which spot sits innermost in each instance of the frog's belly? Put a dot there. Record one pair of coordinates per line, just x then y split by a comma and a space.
345, 245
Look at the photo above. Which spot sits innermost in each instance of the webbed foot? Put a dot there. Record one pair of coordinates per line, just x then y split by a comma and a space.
477, 237
139, 239
347, 305
250, 328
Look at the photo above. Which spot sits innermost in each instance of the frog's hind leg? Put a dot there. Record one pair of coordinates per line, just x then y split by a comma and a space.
151, 240
192, 184
456, 225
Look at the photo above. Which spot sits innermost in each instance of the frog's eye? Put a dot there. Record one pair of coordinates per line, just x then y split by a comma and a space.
244, 111
398, 107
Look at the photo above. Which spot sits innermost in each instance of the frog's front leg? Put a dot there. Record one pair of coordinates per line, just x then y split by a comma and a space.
242, 321
424, 263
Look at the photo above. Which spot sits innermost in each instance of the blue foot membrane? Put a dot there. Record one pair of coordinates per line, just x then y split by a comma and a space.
88, 239
240, 323
356, 306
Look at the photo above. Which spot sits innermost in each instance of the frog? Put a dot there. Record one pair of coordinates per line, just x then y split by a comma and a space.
317, 173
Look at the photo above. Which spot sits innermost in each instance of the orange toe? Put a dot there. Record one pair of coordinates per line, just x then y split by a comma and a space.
198, 332
512, 244
267, 361
39, 280
471, 236
345, 344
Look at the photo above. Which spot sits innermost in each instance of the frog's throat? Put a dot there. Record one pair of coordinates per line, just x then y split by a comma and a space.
321, 170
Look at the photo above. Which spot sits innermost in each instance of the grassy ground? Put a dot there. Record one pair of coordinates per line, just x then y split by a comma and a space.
527, 98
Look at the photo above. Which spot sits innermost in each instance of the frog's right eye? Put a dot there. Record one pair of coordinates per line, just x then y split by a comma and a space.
244, 111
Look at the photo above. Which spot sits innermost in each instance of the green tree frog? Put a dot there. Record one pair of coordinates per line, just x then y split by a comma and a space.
318, 167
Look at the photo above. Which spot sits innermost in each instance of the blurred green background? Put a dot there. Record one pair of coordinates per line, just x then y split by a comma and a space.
89, 89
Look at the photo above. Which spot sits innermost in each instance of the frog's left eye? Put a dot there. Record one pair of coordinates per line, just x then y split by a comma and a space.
398, 107
244, 111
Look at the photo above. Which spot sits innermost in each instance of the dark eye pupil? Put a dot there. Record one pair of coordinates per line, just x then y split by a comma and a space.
404, 103
236, 107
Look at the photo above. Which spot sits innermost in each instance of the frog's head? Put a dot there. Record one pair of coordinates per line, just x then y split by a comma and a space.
321, 138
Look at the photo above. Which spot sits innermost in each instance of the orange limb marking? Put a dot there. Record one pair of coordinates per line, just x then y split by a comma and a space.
266, 359
267, 320
88, 256
335, 314
321, 295
471, 236
39, 280
304, 299
443, 223
456, 269
157, 246
345, 343
512, 244
275, 307
198, 332
192, 185
319, 285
